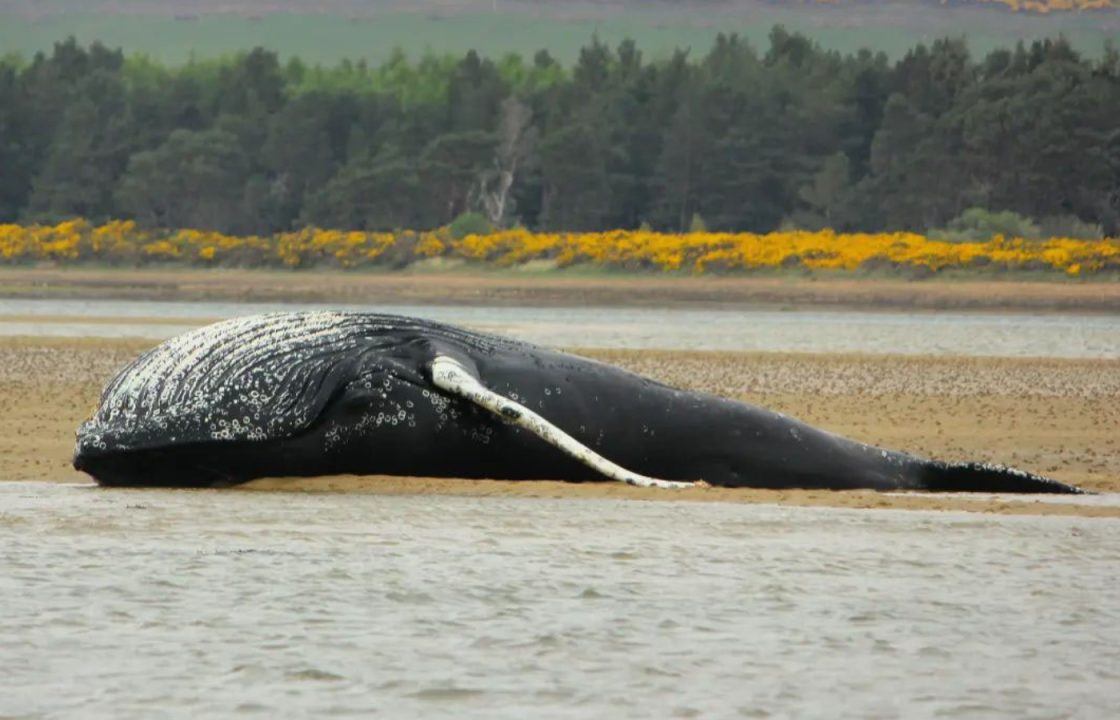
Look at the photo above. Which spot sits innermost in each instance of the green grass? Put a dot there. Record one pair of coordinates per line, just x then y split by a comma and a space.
328, 39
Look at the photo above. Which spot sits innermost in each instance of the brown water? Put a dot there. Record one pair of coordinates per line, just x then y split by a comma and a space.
161, 603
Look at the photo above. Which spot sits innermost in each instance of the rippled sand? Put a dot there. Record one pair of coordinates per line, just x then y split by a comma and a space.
559, 289
1057, 417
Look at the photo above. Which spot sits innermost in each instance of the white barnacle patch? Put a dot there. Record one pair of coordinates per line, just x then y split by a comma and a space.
332, 437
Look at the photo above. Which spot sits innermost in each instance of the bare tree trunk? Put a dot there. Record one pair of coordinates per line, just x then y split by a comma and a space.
516, 137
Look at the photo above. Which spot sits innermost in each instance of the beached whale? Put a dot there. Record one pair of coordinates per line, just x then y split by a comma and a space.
319, 393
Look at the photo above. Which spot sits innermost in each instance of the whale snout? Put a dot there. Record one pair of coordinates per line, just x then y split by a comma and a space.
87, 449
80, 461
164, 467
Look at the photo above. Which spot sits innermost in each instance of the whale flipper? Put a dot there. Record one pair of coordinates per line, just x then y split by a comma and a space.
450, 375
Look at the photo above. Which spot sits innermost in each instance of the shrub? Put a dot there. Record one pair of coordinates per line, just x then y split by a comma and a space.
470, 223
981, 225
122, 242
1070, 226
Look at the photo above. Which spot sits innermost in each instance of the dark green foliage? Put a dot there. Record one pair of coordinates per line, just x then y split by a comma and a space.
746, 138
1069, 226
91, 147
827, 197
369, 193
449, 168
196, 178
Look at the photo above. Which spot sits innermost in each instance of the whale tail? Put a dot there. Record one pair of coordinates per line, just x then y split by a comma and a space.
980, 477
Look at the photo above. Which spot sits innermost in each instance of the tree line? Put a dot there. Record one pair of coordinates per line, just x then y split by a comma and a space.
736, 138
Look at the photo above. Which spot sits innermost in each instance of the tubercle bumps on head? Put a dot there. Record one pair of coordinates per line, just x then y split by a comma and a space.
249, 378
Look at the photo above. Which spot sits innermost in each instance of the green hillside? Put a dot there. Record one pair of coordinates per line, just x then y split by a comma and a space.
328, 38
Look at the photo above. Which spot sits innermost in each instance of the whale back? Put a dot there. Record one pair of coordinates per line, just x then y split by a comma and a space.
253, 378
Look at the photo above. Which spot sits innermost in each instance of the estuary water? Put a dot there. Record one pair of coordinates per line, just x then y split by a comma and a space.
968, 334
138, 604
157, 603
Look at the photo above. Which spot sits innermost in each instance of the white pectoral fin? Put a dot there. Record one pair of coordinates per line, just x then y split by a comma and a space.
449, 375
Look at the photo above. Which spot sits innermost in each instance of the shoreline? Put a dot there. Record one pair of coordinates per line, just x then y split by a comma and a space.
1055, 417
550, 489
563, 289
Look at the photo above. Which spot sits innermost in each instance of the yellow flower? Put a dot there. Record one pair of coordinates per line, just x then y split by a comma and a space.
699, 252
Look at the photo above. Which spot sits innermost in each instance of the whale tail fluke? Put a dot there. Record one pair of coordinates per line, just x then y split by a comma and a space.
980, 477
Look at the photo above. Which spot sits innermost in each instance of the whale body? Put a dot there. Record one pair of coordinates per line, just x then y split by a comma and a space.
320, 393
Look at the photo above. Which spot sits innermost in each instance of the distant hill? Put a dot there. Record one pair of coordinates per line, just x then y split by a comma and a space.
565, 8
328, 31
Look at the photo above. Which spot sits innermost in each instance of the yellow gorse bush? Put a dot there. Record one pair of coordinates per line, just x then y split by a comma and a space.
122, 242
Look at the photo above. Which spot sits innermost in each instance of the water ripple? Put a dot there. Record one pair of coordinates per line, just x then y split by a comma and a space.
137, 603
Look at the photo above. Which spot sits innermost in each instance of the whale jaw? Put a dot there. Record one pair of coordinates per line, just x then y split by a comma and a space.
173, 467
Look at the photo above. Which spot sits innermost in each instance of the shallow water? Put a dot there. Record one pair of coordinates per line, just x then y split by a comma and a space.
972, 334
140, 603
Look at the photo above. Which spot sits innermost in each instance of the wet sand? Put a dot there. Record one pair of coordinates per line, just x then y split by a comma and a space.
1057, 417
564, 288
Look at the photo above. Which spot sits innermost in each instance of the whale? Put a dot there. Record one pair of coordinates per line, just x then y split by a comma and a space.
324, 393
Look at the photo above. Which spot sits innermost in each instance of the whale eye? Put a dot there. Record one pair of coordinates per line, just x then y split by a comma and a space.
510, 412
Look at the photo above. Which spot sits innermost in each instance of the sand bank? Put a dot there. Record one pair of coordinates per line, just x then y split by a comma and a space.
561, 288
1058, 417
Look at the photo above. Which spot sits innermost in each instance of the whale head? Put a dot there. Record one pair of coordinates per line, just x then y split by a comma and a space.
187, 411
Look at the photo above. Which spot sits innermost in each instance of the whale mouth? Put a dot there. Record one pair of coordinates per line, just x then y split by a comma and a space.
163, 467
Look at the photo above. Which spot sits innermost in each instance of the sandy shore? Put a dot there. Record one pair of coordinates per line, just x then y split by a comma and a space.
560, 289
1058, 417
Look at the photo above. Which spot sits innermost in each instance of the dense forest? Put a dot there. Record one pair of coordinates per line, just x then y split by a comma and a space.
737, 138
